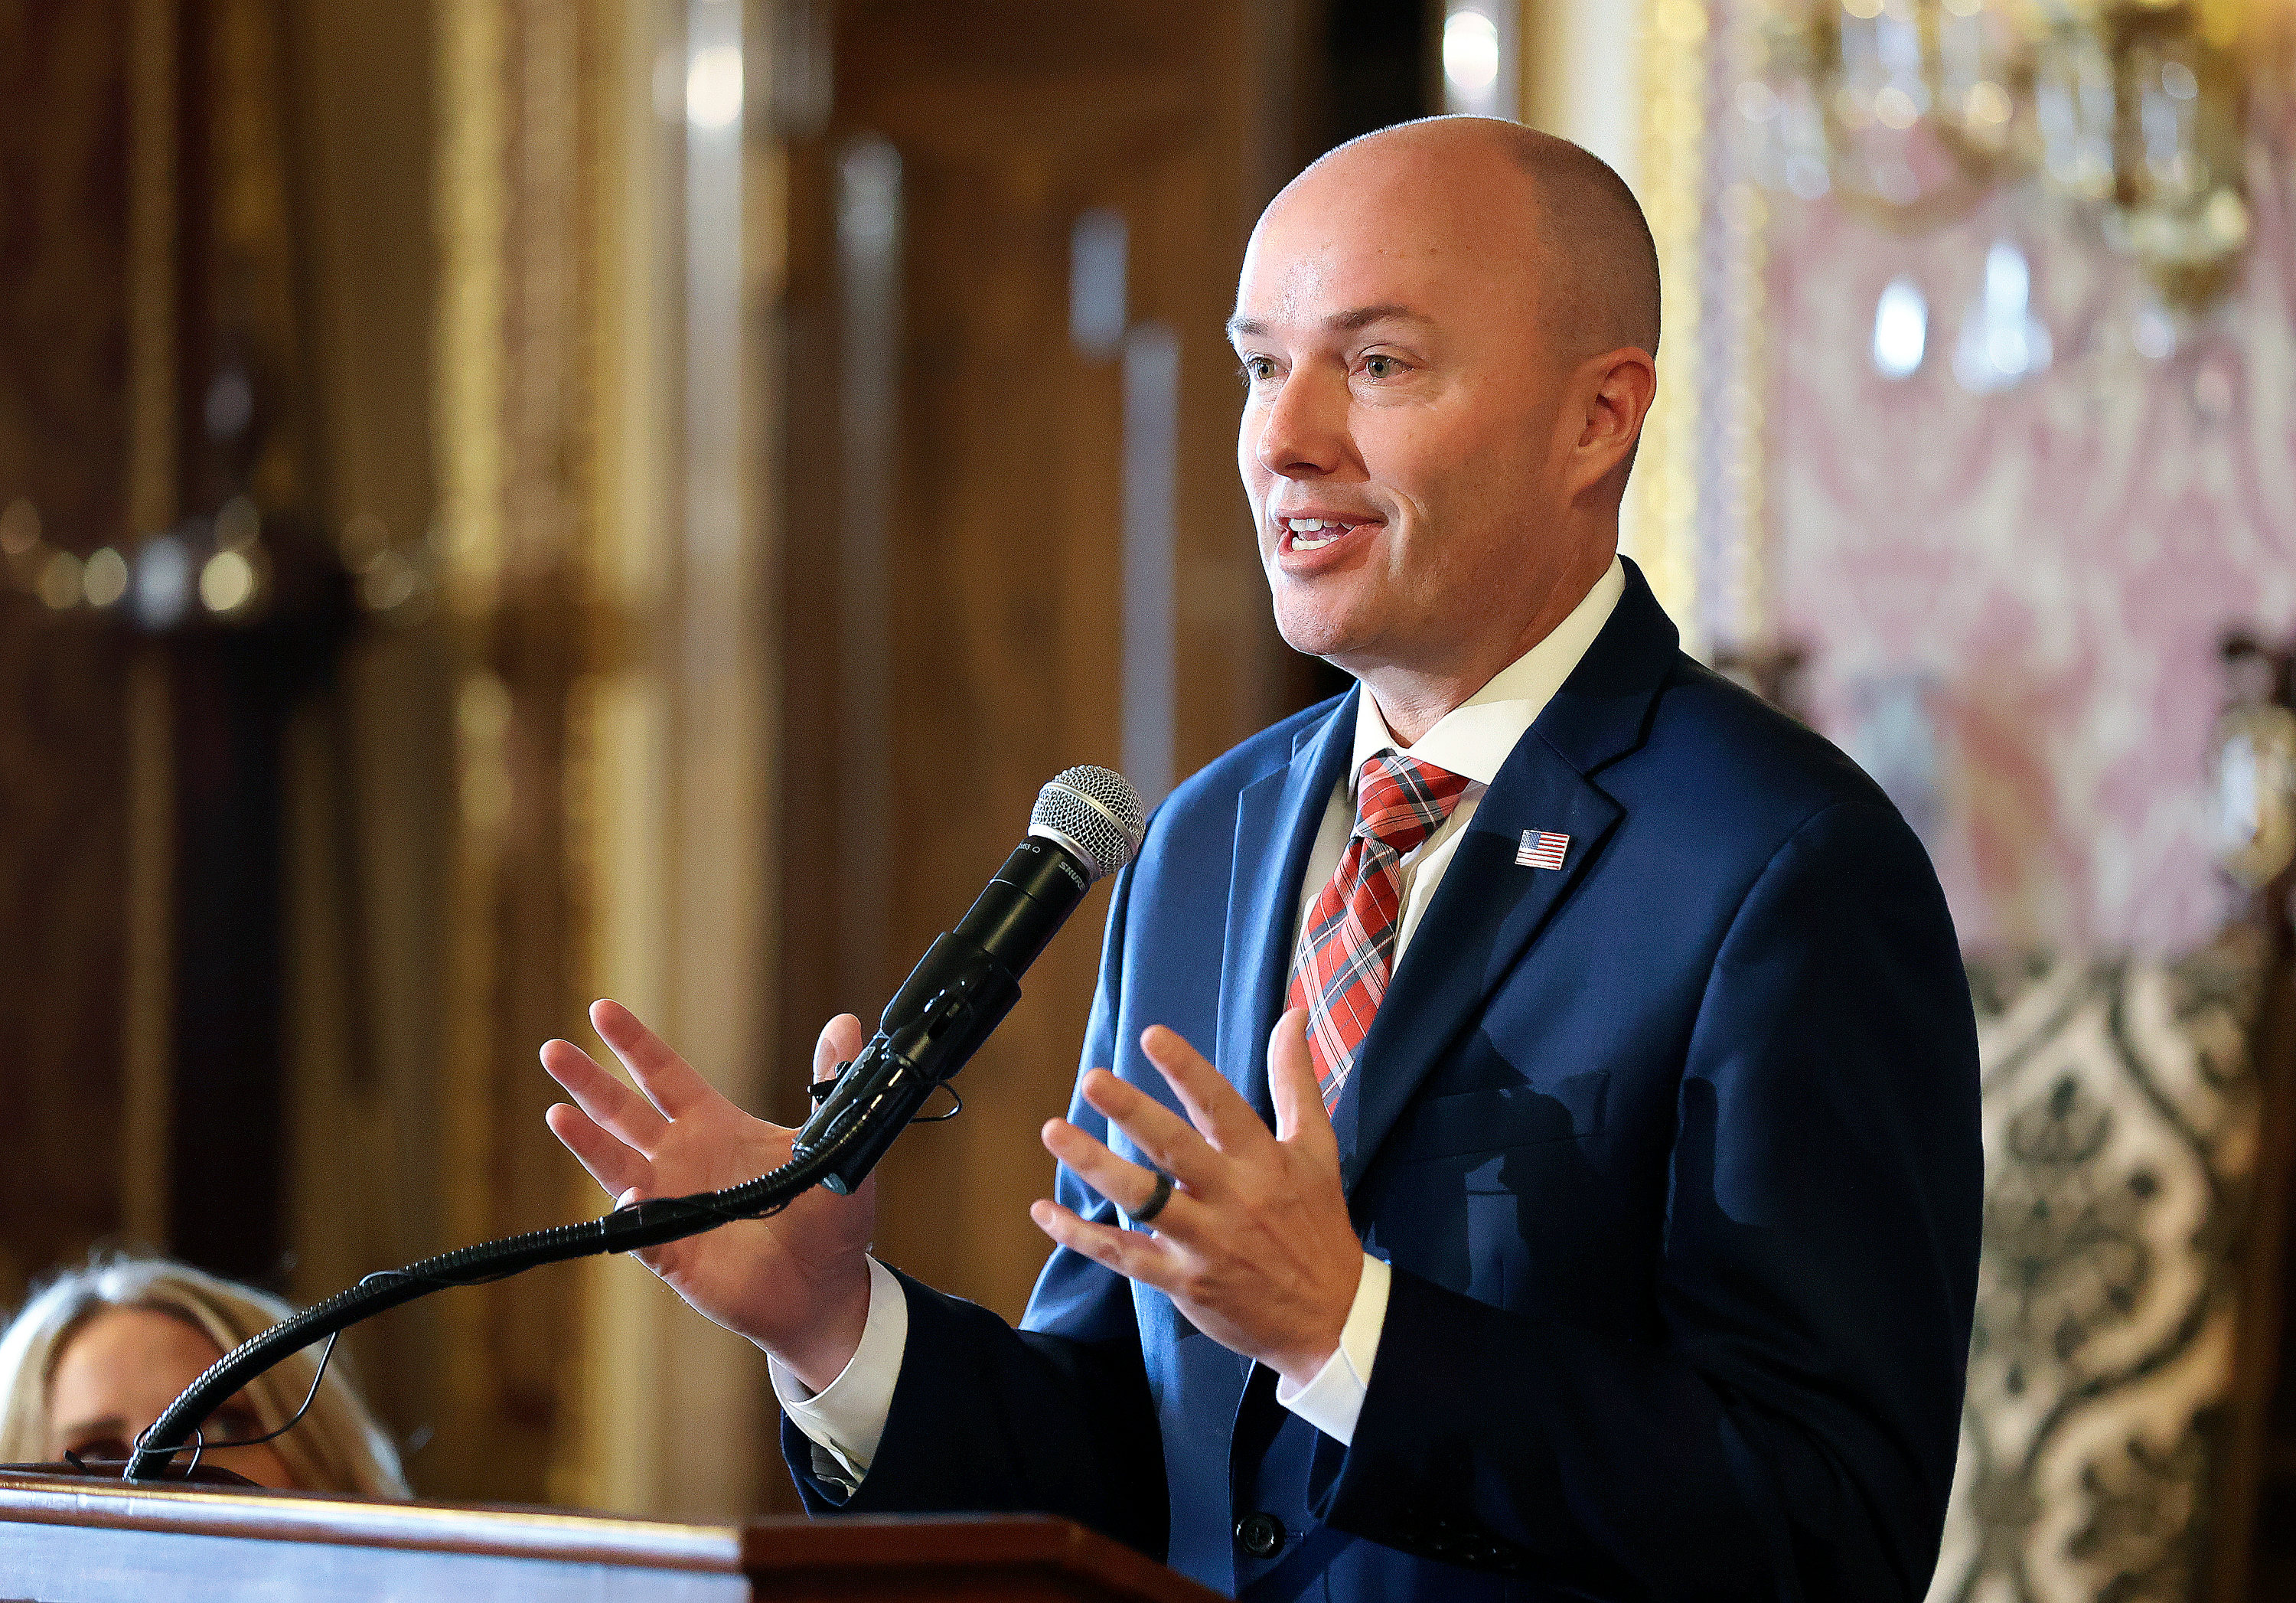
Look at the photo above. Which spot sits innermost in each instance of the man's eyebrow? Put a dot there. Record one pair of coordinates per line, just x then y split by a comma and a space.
1363, 317
1346, 322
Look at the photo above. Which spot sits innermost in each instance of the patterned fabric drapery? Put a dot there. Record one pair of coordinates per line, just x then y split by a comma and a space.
2122, 1118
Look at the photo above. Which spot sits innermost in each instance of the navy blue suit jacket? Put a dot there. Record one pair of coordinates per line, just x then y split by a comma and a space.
1674, 1152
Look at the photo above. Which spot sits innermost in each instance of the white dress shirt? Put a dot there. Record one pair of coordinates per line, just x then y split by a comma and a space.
846, 1419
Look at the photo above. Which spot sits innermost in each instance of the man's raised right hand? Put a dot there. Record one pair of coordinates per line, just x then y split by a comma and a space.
797, 1283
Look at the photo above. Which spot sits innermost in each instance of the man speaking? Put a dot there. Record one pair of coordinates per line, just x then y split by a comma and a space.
1528, 1143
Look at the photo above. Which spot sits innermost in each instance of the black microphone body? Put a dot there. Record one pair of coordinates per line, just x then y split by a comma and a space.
959, 991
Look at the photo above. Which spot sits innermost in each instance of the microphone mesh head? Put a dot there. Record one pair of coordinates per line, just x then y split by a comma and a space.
1096, 812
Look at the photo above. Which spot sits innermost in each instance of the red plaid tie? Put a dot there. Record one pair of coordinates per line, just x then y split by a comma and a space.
1340, 972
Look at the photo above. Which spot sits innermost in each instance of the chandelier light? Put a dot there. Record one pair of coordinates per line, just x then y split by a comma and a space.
1912, 110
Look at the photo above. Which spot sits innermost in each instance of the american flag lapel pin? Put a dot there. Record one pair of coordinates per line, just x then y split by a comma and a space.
1541, 849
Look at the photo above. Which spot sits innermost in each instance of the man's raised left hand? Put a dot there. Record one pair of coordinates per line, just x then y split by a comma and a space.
1255, 1245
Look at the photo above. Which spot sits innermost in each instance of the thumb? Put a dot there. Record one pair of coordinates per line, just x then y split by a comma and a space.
840, 1041
1299, 1112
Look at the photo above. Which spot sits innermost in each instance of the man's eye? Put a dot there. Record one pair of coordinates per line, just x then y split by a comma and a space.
1256, 368
1381, 367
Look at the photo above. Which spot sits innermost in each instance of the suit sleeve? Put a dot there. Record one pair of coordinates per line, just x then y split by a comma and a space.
1055, 1418
1791, 1433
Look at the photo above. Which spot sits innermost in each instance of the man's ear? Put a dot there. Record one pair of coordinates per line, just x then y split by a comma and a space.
1616, 386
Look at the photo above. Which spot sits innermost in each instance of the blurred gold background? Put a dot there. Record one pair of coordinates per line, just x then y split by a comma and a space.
622, 610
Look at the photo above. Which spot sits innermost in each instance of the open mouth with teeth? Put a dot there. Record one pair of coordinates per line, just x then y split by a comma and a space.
1313, 534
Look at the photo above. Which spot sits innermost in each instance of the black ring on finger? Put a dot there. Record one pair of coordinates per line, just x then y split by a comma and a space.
1154, 1206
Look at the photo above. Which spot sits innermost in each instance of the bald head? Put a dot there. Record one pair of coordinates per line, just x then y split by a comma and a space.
1500, 183
1446, 332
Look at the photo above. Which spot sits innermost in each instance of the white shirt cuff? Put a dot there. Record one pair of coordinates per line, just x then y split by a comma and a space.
847, 1416
1334, 1398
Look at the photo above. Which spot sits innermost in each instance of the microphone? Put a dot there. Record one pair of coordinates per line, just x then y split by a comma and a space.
1087, 823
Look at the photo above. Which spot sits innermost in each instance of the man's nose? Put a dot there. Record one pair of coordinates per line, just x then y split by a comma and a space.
1305, 434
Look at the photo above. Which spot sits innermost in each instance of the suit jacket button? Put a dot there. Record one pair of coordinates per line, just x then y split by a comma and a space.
1259, 1535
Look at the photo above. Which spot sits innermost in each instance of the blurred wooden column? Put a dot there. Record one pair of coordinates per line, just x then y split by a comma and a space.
516, 414
367, 772
67, 442
161, 360
680, 738
604, 575
1017, 538
245, 455
164, 115
514, 421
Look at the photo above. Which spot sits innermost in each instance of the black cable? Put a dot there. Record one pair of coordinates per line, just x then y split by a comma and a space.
649, 1223
202, 1445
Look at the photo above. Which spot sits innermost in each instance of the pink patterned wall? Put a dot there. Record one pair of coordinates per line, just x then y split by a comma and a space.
2047, 570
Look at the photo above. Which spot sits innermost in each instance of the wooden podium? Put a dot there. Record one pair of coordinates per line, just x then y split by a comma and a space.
80, 1541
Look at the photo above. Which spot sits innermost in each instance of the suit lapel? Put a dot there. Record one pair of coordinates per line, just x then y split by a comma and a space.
1482, 919
1488, 910
1276, 818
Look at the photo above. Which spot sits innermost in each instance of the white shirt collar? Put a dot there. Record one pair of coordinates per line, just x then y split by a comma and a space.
1474, 738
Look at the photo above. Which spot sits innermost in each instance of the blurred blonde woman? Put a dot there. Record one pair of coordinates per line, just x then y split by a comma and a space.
99, 1351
